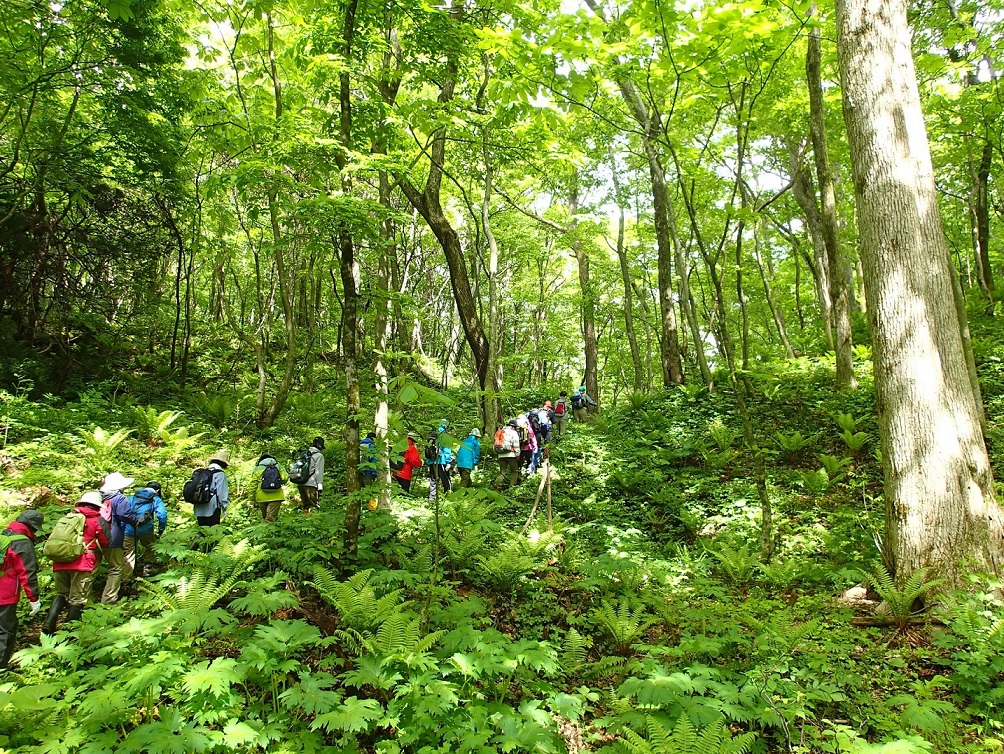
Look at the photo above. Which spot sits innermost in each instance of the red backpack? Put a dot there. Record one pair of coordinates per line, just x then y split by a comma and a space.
559, 407
501, 442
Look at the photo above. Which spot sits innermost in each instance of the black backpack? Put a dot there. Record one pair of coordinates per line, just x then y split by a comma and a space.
199, 489
299, 470
432, 451
577, 401
271, 479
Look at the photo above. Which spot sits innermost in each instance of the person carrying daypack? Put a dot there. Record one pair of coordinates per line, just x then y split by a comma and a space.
368, 460
507, 450
147, 522
581, 403
441, 464
468, 455
267, 480
19, 571
545, 416
82, 530
561, 412
410, 461
117, 511
311, 484
213, 497
527, 442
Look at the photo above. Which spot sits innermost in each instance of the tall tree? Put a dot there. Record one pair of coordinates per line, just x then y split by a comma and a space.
941, 507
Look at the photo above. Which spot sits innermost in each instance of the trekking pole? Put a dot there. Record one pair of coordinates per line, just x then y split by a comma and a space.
547, 474
536, 502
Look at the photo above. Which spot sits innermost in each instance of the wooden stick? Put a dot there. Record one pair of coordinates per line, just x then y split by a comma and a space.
536, 502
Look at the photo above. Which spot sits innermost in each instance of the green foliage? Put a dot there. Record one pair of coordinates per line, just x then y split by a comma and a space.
624, 624
684, 738
854, 441
818, 482
898, 603
737, 566
359, 607
723, 436
793, 443
834, 466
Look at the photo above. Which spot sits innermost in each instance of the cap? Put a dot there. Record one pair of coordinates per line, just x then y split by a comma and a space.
476, 432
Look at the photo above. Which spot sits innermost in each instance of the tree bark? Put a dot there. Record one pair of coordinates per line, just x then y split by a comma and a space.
628, 296
981, 221
805, 197
840, 286
940, 502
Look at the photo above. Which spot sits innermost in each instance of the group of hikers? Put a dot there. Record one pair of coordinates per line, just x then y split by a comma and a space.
107, 525
519, 444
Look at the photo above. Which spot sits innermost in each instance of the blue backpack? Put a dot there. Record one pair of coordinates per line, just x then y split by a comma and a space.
141, 508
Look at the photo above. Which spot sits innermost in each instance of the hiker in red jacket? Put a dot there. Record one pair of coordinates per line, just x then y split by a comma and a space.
73, 579
20, 571
412, 460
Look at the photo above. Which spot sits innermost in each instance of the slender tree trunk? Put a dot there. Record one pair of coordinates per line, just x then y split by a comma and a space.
639, 375
348, 267
981, 221
941, 509
588, 306
493, 401
840, 285
775, 312
285, 279
804, 194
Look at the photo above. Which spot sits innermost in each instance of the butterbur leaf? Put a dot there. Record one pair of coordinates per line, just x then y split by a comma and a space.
215, 678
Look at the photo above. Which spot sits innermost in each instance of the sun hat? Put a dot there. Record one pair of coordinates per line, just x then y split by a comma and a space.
476, 432
221, 457
115, 482
90, 498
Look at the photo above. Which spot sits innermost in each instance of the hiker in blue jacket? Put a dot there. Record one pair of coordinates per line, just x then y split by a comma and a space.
468, 455
149, 510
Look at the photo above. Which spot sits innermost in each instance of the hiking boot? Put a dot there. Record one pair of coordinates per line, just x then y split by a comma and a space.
53, 618
74, 613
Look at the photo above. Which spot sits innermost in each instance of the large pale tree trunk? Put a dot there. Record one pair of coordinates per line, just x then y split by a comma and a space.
588, 306
939, 490
840, 285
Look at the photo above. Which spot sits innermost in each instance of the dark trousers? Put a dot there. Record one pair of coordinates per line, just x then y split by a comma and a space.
465, 478
209, 520
8, 633
405, 483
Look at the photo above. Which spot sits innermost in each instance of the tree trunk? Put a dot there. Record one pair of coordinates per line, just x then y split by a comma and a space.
775, 312
587, 308
492, 401
349, 270
804, 194
941, 509
981, 222
639, 375
840, 286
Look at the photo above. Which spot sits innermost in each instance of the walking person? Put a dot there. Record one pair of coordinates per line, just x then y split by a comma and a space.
267, 480
117, 511
468, 456
147, 522
310, 490
441, 461
545, 416
561, 412
527, 443
507, 450
73, 573
19, 571
581, 401
411, 460
210, 512
368, 460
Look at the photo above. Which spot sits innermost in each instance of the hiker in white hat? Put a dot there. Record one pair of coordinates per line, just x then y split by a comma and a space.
73, 570
116, 510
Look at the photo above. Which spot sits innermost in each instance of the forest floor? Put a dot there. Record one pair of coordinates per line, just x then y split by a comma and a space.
645, 612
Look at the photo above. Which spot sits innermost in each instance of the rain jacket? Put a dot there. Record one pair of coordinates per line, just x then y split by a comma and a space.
469, 453
412, 461
267, 496
20, 567
219, 496
95, 537
159, 515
